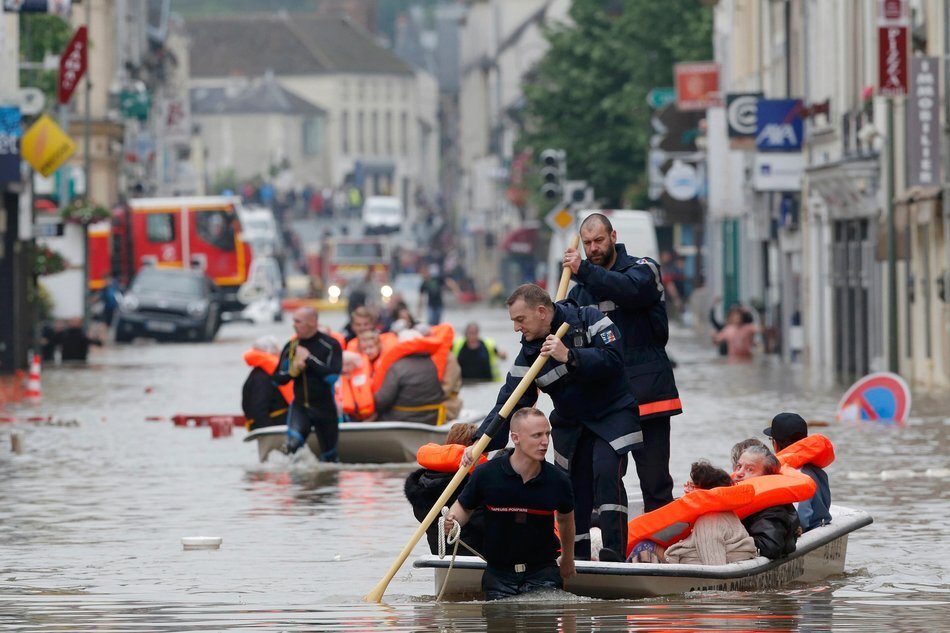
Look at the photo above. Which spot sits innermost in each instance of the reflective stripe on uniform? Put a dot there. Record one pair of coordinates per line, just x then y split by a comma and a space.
551, 376
598, 327
656, 276
518, 371
612, 507
607, 306
629, 439
581, 537
660, 406
560, 460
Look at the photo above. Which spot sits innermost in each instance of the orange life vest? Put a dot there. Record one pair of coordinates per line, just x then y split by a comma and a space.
443, 458
789, 486
815, 449
354, 391
268, 362
674, 521
386, 341
437, 344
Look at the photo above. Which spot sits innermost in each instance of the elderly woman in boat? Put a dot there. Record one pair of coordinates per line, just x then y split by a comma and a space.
717, 537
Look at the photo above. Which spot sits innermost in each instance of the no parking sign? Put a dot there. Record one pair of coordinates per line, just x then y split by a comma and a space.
879, 397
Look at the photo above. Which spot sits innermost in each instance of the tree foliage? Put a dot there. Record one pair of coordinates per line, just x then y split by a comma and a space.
588, 94
41, 34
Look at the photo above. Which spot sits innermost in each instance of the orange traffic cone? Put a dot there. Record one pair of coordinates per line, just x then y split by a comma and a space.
34, 392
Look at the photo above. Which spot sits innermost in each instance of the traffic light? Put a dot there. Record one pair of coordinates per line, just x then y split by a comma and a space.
553, 172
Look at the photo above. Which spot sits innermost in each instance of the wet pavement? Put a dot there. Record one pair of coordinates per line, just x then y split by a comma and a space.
92, 513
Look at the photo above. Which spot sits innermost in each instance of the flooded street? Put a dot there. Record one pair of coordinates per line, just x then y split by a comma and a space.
93, 514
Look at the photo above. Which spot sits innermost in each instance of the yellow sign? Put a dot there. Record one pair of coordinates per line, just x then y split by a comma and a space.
560, 219
45, 146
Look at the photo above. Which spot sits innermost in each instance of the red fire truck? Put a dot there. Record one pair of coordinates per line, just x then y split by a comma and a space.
199, 232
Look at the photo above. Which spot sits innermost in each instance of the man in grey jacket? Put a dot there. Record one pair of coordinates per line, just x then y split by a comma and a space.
411, 392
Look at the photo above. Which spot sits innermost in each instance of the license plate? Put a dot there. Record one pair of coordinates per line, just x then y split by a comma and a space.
159, 326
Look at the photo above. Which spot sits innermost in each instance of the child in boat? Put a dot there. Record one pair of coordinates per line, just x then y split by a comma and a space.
717, 538
785, 430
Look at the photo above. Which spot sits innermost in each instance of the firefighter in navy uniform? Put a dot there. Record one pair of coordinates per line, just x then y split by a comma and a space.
630, 292
313, 361
595, 415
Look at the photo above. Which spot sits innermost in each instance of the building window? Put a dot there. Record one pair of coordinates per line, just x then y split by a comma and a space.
404, 134
345, 132
388, 133
160, 227
312, 136
375, 131
360, 133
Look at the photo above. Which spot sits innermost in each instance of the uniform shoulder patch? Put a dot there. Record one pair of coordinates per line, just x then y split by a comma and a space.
607, 336
643, 260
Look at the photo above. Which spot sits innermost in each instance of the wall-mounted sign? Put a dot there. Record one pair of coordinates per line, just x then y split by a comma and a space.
9, 144
778, 171
923, 123
697, 85
778, 126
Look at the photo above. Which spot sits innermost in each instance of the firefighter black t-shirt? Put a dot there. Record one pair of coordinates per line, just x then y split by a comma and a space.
519, 522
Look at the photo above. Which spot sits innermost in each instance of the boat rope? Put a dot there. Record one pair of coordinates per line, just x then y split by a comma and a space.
453, 538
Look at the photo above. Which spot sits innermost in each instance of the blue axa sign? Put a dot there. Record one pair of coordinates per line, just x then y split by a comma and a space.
10, 133
779, 126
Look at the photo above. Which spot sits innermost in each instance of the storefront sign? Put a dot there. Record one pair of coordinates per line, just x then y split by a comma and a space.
778, 172
45, 146
697, 85
892, 21
741, 114
923, 123
779, 125
9, 144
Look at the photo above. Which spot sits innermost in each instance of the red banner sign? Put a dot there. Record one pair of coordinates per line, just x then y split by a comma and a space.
892, 60
72, 64
697, 85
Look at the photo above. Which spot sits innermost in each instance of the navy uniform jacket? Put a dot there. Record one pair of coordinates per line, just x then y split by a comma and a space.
595, 393
631, 293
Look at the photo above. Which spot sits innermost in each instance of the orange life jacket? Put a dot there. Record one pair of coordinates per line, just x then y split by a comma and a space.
437, 344
354, 392
386, 341
443, 458
674, 521
815, 449
789, 486
268, 362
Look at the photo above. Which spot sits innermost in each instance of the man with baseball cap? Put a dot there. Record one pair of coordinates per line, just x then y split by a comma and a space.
785, 430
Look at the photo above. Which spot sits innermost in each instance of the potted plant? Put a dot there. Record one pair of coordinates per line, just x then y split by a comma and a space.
46, 261
85, 212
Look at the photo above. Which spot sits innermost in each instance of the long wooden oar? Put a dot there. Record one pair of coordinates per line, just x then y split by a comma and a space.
477, 449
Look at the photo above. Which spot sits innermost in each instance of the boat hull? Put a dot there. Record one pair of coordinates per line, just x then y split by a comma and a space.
820, 553
361, 442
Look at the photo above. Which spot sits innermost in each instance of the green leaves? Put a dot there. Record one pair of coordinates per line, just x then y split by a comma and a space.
588, 94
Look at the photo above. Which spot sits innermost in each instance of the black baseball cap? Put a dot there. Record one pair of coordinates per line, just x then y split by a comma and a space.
787, 427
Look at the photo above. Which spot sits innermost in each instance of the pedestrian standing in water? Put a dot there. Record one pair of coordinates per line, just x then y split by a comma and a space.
313, 360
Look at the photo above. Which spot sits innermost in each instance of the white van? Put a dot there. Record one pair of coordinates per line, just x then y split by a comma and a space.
382, 214
635, 230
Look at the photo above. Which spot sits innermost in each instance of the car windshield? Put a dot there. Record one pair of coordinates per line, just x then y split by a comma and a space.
156, 281
358, 252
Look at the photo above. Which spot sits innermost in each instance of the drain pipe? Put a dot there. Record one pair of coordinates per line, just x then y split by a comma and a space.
946, 172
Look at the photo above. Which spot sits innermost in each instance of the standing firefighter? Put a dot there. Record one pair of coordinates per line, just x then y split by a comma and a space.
595, 416
630, 292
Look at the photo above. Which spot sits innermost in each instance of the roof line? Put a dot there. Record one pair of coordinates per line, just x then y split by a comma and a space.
322, 58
